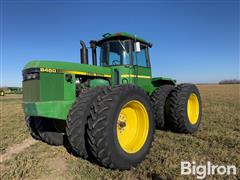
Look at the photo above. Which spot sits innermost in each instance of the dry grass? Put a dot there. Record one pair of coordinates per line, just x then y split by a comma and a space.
218, 141
12, 124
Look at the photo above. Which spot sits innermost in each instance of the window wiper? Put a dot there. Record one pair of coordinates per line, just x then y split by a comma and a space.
122, 45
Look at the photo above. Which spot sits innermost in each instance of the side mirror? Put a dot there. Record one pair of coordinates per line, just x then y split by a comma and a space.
137, 47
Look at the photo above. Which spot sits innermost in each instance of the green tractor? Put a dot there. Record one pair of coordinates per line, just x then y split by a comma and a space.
2, 92
108, 110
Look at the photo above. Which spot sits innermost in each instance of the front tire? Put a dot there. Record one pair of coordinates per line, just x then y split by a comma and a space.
121, 127
51, 131
31, 125
47, 130
77, 121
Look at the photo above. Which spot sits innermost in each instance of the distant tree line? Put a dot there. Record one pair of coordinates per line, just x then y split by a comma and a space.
11, 90
230, 81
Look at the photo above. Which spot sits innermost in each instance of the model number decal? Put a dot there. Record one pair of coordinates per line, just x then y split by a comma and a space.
49, 70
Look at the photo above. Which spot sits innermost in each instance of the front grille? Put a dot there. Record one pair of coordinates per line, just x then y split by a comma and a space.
42, 86
31, 90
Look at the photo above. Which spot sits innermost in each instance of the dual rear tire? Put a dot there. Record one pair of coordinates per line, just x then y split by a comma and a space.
184, 109
178, 109
158, 100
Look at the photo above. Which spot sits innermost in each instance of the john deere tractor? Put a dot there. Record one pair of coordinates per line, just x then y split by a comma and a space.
108, 110
2, 93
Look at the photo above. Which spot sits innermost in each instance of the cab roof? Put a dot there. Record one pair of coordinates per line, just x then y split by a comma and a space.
121, 36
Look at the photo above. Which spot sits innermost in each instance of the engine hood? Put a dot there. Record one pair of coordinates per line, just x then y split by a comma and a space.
69, 67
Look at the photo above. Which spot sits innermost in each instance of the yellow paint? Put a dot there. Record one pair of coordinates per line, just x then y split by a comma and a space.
134, 76
193, 108
74, 72
86, 73
50, 70
132, 126
106, 75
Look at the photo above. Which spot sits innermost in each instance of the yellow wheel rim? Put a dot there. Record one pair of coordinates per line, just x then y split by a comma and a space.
132, 126
193, 108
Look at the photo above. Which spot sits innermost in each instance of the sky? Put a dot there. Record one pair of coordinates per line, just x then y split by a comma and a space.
193, 41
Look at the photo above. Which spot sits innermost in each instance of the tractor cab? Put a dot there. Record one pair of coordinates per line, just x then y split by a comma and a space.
123, 49
126, 55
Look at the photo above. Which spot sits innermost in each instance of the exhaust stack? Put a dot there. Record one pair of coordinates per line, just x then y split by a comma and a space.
94, 52
84, 53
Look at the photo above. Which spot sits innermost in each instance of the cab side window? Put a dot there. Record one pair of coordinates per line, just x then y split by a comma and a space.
141, 58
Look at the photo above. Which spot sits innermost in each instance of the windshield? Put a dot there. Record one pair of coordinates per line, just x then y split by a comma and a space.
115, 53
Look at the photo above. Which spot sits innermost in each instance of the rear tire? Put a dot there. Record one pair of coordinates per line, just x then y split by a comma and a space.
77, 121
184, 109
107, 144
158, 100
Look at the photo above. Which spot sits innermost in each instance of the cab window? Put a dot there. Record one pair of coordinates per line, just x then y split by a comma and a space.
115, 53
141, 58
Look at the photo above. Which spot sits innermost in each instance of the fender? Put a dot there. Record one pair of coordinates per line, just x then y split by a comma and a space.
99, 82
158, 81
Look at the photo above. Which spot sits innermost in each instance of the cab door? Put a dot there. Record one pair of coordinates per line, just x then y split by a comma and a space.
142, 67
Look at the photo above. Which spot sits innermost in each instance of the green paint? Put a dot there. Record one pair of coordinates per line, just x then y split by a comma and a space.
162, 80
70, 88
53, 81
99, 82
51, 109
124, 35
68, 66
31, 90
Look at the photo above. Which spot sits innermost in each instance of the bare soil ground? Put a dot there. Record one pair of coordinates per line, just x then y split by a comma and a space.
16, 149
218, 141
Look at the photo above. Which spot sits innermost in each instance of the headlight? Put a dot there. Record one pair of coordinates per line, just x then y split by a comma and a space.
35, 75
30, 74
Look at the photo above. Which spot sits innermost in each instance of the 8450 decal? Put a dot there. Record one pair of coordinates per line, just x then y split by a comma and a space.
49, 70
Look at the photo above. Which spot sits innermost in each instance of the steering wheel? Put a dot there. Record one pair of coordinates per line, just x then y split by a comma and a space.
115, 62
